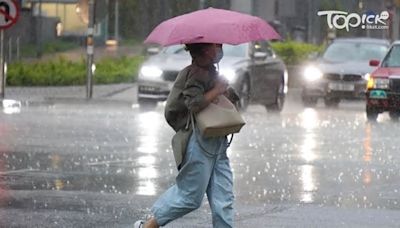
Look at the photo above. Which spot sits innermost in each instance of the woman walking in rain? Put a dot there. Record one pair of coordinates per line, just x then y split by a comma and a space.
204, 168
202, 162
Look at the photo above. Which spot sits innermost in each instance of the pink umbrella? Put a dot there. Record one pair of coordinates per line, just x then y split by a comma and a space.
212, 26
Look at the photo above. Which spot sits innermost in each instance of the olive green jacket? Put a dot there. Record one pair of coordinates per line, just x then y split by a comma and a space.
187, 96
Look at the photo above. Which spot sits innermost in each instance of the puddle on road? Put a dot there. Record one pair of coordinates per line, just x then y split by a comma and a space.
105, 173
297, 162
311, 158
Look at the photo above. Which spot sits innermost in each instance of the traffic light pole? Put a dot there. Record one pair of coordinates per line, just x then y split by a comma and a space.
90, 51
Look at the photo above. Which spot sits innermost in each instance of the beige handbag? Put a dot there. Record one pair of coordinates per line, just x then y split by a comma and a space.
219, 118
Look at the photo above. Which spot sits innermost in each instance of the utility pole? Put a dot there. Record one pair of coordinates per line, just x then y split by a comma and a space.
395, 21
90, 51
2, 73
202, 4
39, 32
116, 25
310, 15
107, 20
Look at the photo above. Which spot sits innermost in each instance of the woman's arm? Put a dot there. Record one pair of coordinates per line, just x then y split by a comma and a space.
196, 97
219, 88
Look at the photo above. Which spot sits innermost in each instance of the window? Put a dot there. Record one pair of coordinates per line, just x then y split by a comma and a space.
393, 57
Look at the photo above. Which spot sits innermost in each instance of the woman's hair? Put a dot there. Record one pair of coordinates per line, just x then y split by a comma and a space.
196, 49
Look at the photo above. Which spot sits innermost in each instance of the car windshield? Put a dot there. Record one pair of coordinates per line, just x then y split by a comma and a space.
229, 50
354, 51
392, 59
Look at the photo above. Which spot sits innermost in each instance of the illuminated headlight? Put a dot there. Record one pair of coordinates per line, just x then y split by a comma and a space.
312, 74
150, 72
229, 74
93, 68
367, 76
286, 78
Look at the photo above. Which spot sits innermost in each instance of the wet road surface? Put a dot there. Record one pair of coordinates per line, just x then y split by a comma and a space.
102, 164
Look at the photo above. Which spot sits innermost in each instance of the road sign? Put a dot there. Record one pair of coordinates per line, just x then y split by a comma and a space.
8, 16
8, 13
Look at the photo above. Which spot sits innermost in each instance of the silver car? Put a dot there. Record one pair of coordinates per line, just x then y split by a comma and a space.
342, 71
252, 69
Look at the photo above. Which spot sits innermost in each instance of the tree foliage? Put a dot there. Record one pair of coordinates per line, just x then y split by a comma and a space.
139, 17
293, 53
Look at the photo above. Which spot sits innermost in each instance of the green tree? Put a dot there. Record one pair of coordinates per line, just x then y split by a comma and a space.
139, 17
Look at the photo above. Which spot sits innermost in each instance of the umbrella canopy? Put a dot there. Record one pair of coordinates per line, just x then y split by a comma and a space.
212, 26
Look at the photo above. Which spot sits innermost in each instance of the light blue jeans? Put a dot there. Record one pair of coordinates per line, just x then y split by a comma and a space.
205, 169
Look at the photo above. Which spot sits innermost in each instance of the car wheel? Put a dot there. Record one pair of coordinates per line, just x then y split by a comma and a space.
331, 102
394, 115
309, 101
147, 103
244, 94
279, 101
372, 114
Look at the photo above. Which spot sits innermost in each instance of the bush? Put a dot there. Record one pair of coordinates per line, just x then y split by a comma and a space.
64, 72
293, 53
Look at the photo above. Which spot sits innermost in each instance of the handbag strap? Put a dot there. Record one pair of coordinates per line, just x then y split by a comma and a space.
196, 136
230, 141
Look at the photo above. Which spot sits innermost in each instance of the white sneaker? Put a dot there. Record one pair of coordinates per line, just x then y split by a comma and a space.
138, 224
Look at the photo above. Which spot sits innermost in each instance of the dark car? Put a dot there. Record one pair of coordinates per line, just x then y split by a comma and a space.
252, 69
383, 89
342, 70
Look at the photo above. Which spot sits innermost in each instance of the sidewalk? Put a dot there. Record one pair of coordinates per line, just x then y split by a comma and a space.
118, 92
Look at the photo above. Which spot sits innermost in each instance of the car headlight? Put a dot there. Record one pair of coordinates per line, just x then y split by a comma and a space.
312, 73
229, 74
378, 83
286, 78
150, 71
367, 76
